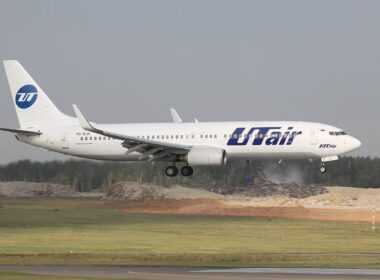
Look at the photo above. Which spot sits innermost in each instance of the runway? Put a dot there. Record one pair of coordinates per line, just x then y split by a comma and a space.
187, 273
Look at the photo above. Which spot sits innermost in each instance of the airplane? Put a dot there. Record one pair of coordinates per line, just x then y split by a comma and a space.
187, 143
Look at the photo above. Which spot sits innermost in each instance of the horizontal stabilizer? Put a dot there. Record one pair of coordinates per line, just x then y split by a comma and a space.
21, 131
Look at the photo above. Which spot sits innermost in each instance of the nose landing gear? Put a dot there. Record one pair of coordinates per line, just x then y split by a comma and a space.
323, 168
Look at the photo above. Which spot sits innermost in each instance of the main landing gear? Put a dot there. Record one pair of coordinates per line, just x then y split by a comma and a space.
172, 171
187, 171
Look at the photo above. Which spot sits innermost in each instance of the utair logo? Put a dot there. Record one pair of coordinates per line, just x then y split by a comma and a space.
26, 96
260, 135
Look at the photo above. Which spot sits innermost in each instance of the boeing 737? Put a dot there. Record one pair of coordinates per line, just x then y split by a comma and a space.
190, 143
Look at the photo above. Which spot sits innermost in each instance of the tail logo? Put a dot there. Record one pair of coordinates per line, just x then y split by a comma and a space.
26, 96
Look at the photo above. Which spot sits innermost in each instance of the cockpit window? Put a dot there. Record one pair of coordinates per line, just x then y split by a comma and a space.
337, 133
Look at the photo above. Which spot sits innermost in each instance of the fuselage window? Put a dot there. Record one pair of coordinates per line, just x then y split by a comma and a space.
192, 136
201, 135
167, 136
81, 139
215, 136
206, 136
147, 137
225, 135
90, 138
171, 136
176, 137
210, 135
181, 136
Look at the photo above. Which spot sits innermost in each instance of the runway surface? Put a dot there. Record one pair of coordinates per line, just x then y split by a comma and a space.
185, 273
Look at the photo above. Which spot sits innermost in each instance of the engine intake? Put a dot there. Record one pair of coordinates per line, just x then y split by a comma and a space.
206, 156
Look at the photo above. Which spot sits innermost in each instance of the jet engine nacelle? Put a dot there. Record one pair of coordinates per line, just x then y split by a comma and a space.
206, 156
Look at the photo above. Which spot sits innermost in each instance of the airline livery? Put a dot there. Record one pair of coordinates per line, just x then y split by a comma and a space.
193, 144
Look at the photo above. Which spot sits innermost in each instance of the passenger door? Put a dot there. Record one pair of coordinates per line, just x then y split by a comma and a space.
314, 137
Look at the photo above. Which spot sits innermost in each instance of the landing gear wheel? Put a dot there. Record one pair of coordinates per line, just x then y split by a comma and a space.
323, 169
171, 171
187, 171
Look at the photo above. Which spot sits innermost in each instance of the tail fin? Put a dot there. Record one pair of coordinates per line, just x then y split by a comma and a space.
33, 107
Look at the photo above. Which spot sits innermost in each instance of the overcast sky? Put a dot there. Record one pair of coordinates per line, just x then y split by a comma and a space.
129, 61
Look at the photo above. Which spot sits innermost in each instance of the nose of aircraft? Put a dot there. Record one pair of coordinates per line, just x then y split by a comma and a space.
354, 143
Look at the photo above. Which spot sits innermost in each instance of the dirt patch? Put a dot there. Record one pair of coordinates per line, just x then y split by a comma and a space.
264, 195
267, 189
216, 207
145, 191
29, 189
265, 200
286, 201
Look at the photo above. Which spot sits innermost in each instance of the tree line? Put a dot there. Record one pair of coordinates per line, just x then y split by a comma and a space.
85, 175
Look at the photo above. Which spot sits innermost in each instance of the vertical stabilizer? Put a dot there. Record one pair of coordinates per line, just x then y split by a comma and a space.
33, 107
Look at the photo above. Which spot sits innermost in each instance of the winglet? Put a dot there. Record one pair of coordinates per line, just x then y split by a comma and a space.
82, 120
175, 117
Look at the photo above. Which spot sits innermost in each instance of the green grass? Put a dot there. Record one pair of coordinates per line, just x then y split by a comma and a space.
23, 276
62, 231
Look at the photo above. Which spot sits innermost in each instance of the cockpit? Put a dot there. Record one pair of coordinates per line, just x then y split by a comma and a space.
337, 133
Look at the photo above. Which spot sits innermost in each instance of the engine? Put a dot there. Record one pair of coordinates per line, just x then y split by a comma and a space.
206, 156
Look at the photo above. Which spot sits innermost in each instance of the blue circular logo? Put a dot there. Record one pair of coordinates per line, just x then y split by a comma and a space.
26, 96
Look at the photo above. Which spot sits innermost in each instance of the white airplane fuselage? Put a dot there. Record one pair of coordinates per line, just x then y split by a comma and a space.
195, 143
304, 140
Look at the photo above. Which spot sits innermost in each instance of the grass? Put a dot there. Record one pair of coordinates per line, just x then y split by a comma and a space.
62, 231
23, 276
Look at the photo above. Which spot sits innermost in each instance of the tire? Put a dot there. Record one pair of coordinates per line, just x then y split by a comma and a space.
323, 169
187, 171
171, 171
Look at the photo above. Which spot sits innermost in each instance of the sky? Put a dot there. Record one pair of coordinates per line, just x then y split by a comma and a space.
129, 61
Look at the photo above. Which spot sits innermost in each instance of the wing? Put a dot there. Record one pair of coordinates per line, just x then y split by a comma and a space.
149, 149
